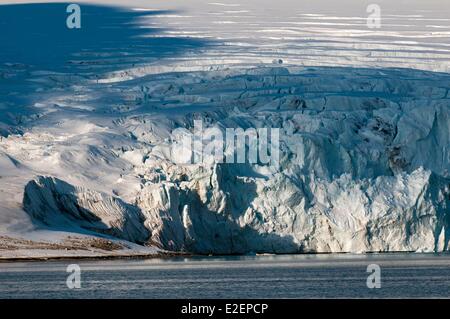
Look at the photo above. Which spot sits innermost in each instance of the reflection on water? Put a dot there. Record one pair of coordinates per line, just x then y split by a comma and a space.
291, 276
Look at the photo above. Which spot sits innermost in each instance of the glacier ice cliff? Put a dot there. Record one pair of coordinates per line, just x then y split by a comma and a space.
56, 203
87, 122
219, 212
364, 164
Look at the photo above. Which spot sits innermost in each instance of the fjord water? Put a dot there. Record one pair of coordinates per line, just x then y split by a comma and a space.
285, 276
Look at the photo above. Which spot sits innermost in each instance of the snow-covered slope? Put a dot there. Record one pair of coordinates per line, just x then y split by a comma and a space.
364, 147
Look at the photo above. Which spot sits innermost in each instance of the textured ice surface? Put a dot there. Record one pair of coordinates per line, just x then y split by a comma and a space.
364, 118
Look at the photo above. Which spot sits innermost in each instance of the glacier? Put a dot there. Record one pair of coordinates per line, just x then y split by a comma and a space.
364, 138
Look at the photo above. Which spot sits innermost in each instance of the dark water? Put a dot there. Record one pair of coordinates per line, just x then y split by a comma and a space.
299, 276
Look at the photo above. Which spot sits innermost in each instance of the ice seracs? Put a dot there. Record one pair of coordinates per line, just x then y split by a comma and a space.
364, 148
363, 164
362, 167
